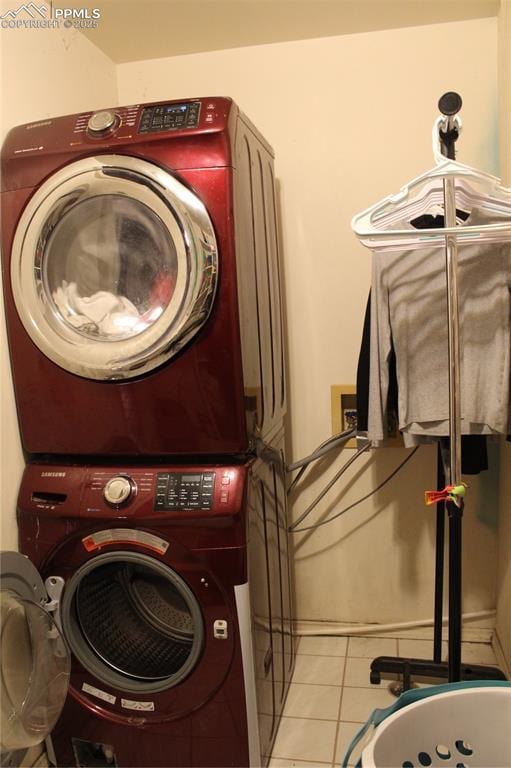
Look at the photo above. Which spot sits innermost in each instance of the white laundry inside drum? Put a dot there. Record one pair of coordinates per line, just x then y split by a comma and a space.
35, 668
110, 267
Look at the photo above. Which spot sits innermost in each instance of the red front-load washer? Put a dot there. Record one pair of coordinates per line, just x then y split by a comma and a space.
170, 585
141, 282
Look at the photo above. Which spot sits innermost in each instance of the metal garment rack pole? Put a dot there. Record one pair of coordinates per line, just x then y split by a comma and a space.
454, 509
449, 106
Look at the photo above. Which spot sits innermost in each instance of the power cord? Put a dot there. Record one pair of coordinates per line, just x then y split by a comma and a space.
325, 490
328, 445
293, 529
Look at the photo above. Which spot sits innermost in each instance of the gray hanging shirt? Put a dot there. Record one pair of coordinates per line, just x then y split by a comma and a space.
409, 310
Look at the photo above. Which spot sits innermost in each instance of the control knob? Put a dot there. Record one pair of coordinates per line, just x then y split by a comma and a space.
103, 121
118, 490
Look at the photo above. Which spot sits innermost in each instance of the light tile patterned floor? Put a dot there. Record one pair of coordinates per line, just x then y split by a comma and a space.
331, 696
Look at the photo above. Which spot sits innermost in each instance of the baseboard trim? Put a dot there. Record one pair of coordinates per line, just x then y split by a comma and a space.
472, 630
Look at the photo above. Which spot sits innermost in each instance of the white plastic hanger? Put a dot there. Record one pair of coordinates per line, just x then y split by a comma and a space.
474, 190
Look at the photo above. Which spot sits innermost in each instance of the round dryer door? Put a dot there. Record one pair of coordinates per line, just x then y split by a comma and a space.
114, 267
34, 660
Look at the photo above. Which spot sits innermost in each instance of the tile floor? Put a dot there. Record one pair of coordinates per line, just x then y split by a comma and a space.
330, 694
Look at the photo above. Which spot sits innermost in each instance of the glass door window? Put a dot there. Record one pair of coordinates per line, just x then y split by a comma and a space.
35, 669
110, 268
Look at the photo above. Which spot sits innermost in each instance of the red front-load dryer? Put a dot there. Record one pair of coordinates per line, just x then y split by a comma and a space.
142, 282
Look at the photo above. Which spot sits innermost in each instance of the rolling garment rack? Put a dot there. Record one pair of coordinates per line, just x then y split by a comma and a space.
454, 670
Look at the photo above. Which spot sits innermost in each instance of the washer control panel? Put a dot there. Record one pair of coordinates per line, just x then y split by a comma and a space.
184, 490
131, 492
170, 117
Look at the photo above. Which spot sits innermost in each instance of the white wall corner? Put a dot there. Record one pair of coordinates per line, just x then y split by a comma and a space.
43, 73
504, 558
504, 76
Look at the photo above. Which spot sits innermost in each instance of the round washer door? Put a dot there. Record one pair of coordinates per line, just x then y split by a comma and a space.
133, 622
34, 660
114, 267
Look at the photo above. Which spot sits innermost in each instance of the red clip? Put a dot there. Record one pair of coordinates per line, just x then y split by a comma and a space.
453, 493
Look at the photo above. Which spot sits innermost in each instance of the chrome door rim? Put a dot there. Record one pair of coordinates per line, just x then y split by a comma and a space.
188, 224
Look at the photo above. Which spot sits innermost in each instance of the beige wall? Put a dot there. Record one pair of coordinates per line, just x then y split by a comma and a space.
504, 580
350, 119
43, 73
504, 574
504, 64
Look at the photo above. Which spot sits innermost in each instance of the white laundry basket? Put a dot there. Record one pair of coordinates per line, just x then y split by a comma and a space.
457, 725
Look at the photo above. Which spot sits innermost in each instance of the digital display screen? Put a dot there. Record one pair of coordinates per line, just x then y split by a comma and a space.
191, 478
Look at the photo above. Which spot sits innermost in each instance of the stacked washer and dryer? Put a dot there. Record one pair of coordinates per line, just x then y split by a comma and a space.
143, 304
